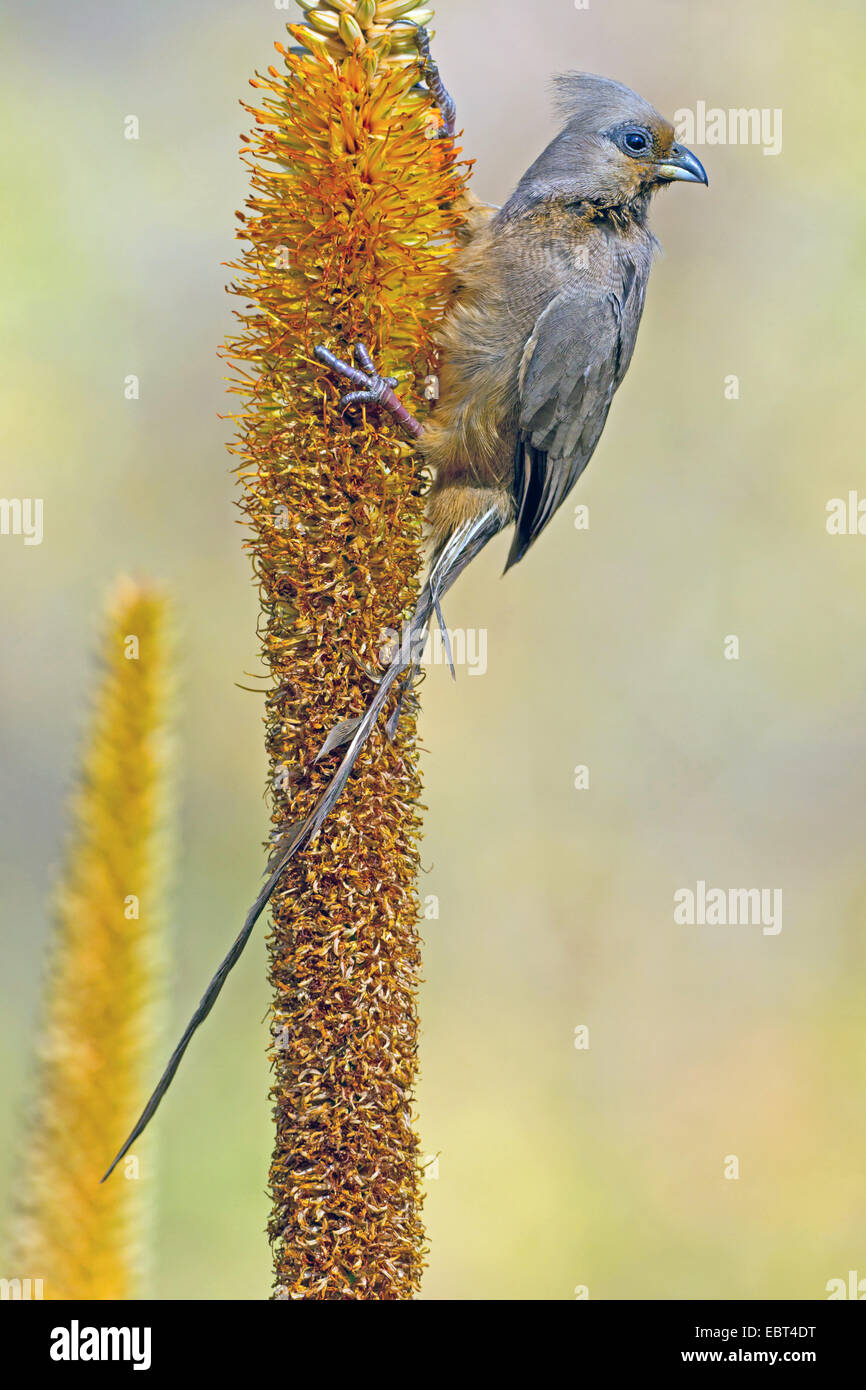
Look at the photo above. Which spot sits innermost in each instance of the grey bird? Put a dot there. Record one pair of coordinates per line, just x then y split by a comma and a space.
548, 296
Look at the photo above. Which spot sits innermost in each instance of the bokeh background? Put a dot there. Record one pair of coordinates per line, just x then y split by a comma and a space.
557, 1167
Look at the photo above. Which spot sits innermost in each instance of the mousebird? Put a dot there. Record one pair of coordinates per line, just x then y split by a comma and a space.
548, 295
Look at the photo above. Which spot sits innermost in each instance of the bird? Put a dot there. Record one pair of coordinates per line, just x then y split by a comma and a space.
544, 322
547, 296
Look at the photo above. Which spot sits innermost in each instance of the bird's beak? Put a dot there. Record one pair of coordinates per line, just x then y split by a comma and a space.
682, 164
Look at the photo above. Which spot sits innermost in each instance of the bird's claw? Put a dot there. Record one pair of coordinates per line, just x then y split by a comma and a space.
422, 43
422, 37
363, 359
371, 388
368, 397
372, 394
430, 73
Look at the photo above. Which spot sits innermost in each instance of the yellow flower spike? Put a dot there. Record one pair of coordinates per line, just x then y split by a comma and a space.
82, 1238
365, 12
335, 510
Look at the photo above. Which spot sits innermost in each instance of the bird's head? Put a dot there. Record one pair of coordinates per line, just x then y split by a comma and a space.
613, 151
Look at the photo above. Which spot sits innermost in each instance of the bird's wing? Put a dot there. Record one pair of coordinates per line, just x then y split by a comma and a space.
575, 358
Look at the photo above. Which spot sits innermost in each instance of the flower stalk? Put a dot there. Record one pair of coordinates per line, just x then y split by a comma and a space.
85, 1240
353, 214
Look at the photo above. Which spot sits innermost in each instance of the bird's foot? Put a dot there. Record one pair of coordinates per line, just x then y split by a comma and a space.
435, 86
370, 387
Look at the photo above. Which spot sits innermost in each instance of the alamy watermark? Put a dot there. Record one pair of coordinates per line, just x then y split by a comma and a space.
729, 907
22, 516
458, 646
712, 125
77, 1343
853, 1287
21, 1290
846, 516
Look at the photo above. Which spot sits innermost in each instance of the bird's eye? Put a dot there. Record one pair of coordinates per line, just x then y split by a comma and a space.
635, 141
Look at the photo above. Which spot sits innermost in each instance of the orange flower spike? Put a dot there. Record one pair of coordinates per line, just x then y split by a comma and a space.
349, 193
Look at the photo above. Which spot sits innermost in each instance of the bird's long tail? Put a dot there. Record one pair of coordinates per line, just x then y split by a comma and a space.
452, 558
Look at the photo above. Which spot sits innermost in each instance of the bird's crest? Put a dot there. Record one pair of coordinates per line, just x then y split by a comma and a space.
587, 101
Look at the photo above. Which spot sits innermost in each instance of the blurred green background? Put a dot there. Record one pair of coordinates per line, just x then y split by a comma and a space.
557, 1167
